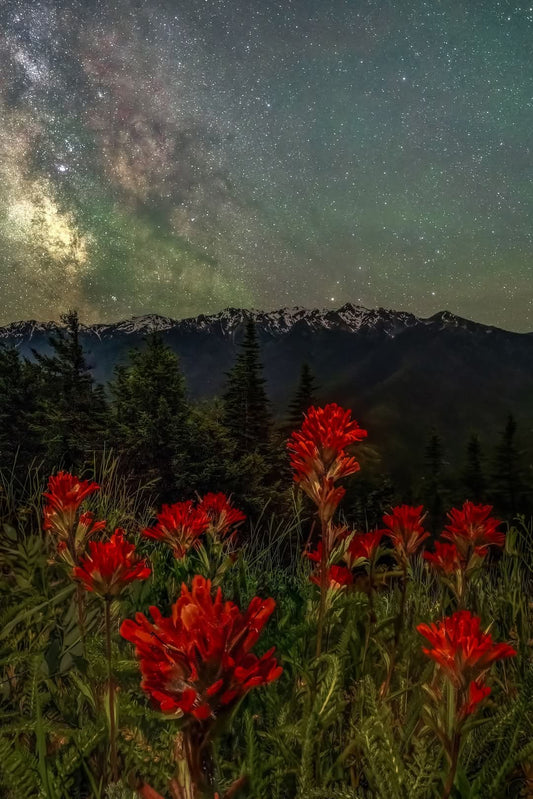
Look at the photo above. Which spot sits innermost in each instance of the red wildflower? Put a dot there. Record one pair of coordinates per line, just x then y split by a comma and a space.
363, 545
179, 525
472, 527
86, 528
477, 692
65, 495
338, 577
199, 659
222, 516
446, 558
461, 648
110, 566
315, 556
405, 530
318, 457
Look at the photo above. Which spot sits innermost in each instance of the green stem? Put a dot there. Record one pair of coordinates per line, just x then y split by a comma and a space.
371, 612
454, 760
80, 597
198, 753
323, 587
397, 633
111, 689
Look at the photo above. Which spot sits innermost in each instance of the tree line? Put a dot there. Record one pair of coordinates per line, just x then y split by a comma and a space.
53, 413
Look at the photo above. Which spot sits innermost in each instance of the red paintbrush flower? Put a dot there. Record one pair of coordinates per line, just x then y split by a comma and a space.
318, 457
222, 515
477, 692
110, 566
315, 556
363, 546
180, 526
65, 495
338, 577
199, 659
472, 527
405, 530
445, 559
462, 650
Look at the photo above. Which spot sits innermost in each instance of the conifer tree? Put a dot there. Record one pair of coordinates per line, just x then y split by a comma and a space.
150, 414
473, 478
19, 392
508, 487
71, 417
304, 397
246, 409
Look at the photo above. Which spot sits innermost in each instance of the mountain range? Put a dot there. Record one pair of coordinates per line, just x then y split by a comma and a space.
402, 375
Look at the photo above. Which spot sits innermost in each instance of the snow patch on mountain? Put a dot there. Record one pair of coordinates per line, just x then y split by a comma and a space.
350, 318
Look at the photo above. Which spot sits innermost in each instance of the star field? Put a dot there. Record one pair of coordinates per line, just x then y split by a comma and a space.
177, 158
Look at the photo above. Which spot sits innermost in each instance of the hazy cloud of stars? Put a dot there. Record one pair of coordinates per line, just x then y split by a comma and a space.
158, 157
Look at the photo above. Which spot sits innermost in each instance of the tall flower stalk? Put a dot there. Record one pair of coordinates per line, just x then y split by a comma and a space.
363, 549
110, 689
70, 528
463, 654
404, 527
106, 571
197, 663
319, 460
467, 537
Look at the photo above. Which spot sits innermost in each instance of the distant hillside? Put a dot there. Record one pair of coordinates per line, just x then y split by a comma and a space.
400, 374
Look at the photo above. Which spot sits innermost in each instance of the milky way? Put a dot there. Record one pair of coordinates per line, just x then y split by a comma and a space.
177, 158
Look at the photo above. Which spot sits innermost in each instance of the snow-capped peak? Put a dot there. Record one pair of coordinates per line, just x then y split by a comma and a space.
349, 318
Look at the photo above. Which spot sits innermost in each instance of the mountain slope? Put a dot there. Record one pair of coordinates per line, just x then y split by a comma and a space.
400, 374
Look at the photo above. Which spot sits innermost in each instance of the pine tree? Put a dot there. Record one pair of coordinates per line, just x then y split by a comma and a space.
508, 486
71, 417
246, 409
150, 416
473, 478
19, 392
304, 397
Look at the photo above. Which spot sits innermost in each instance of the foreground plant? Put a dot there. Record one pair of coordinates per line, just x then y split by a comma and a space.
319, 460
198, 664
464, 655
70, 528
106, 571
404, 526
207, 527
62, 517
179, 526
466, 540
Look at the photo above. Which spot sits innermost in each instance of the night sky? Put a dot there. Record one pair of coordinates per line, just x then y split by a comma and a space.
182, 157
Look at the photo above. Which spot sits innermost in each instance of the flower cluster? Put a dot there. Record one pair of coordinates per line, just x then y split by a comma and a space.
199, 660
318, 455
404, 527
472, 528
181, 525
363, 547
464, 653
223, 517
445, 559
337, 576
110, 566
469, 534
62, 516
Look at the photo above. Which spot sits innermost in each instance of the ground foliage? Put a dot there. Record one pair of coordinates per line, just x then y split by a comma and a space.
327, 728
322, 730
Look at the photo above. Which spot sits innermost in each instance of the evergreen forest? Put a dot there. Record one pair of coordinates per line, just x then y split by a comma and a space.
203, 600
